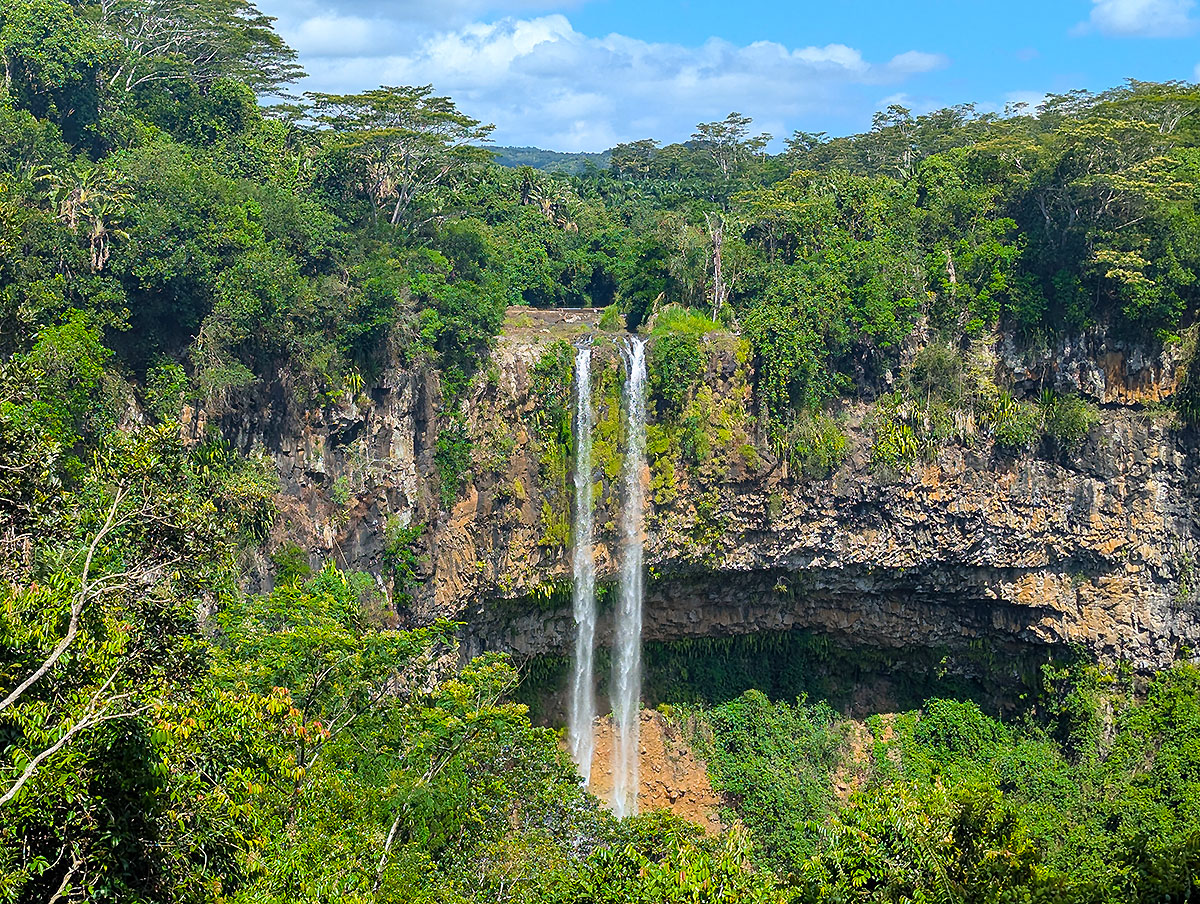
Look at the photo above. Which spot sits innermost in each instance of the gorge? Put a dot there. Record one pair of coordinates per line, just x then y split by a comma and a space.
781, 520
1021, 552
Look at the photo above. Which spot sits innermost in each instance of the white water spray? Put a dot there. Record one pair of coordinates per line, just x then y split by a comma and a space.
627, 662
581, 729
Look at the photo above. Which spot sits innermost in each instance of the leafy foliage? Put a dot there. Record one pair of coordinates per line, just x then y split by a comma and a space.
796, 746
452, 456
167, 243
401, 561
815, 445
959, 806
1067, 419
675, 367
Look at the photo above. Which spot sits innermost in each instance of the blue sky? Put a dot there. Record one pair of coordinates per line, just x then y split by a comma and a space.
582, 75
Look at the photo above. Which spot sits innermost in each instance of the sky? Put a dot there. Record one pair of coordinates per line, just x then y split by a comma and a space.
584, 75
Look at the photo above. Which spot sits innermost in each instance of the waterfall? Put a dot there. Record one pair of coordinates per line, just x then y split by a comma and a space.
581, 725
627, 661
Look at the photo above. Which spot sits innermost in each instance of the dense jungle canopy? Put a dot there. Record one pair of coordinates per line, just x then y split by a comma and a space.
176, 229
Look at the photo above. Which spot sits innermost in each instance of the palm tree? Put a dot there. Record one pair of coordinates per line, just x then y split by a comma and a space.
91, 196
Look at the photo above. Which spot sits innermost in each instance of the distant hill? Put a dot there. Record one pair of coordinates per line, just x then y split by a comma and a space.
550, 161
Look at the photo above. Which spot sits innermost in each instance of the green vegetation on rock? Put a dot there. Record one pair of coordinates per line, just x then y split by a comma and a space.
194, 709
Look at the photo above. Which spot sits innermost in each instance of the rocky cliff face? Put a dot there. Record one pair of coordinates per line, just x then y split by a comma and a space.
1096, 547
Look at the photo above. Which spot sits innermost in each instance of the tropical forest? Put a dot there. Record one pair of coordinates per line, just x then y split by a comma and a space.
388, 515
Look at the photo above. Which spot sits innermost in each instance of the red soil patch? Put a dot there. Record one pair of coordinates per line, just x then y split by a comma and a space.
671, 776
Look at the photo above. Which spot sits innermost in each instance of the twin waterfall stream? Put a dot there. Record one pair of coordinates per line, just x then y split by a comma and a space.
626, 683
581, 720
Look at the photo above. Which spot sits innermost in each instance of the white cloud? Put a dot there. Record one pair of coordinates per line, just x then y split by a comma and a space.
298, 18
838, 55
914, 61
331, 34
1141, 18
1196, 73
542, 82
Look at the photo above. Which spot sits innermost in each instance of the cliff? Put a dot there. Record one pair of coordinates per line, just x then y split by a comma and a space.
1094, 547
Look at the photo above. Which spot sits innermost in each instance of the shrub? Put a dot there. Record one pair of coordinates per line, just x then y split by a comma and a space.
291, 564
166, 385
1014, 424
452, 457
676, 364
896, 443
556, 528
551, 389
694, 444
550, 386
61, 382
774, 760
958, 727
937, 372
610, 320
815, 445
340, 492
400, 558
1187, 395
1067, 419
676, 318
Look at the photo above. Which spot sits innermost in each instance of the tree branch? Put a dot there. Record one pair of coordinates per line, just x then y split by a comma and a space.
89, 719
76, 606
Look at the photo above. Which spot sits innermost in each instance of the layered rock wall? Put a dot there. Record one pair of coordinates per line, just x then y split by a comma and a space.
1096, 547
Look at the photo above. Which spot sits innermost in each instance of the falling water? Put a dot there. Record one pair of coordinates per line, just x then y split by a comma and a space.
581, 728
627, 664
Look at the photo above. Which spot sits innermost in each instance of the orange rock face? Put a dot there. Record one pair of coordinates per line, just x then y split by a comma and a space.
670, 776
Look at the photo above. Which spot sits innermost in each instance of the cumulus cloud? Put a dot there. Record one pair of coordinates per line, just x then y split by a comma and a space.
1141, 18
542, 82
401, 16
334, 34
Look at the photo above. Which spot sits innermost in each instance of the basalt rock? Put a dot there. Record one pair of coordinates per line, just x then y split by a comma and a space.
1095, 547
1097, 551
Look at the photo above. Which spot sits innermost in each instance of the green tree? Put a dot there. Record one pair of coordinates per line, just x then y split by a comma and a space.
729, 143
52, 63
964, 845
163, 41
405, 141
97, 633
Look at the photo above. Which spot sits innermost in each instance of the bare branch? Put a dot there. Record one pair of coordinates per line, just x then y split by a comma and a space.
90, 718
77, 605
